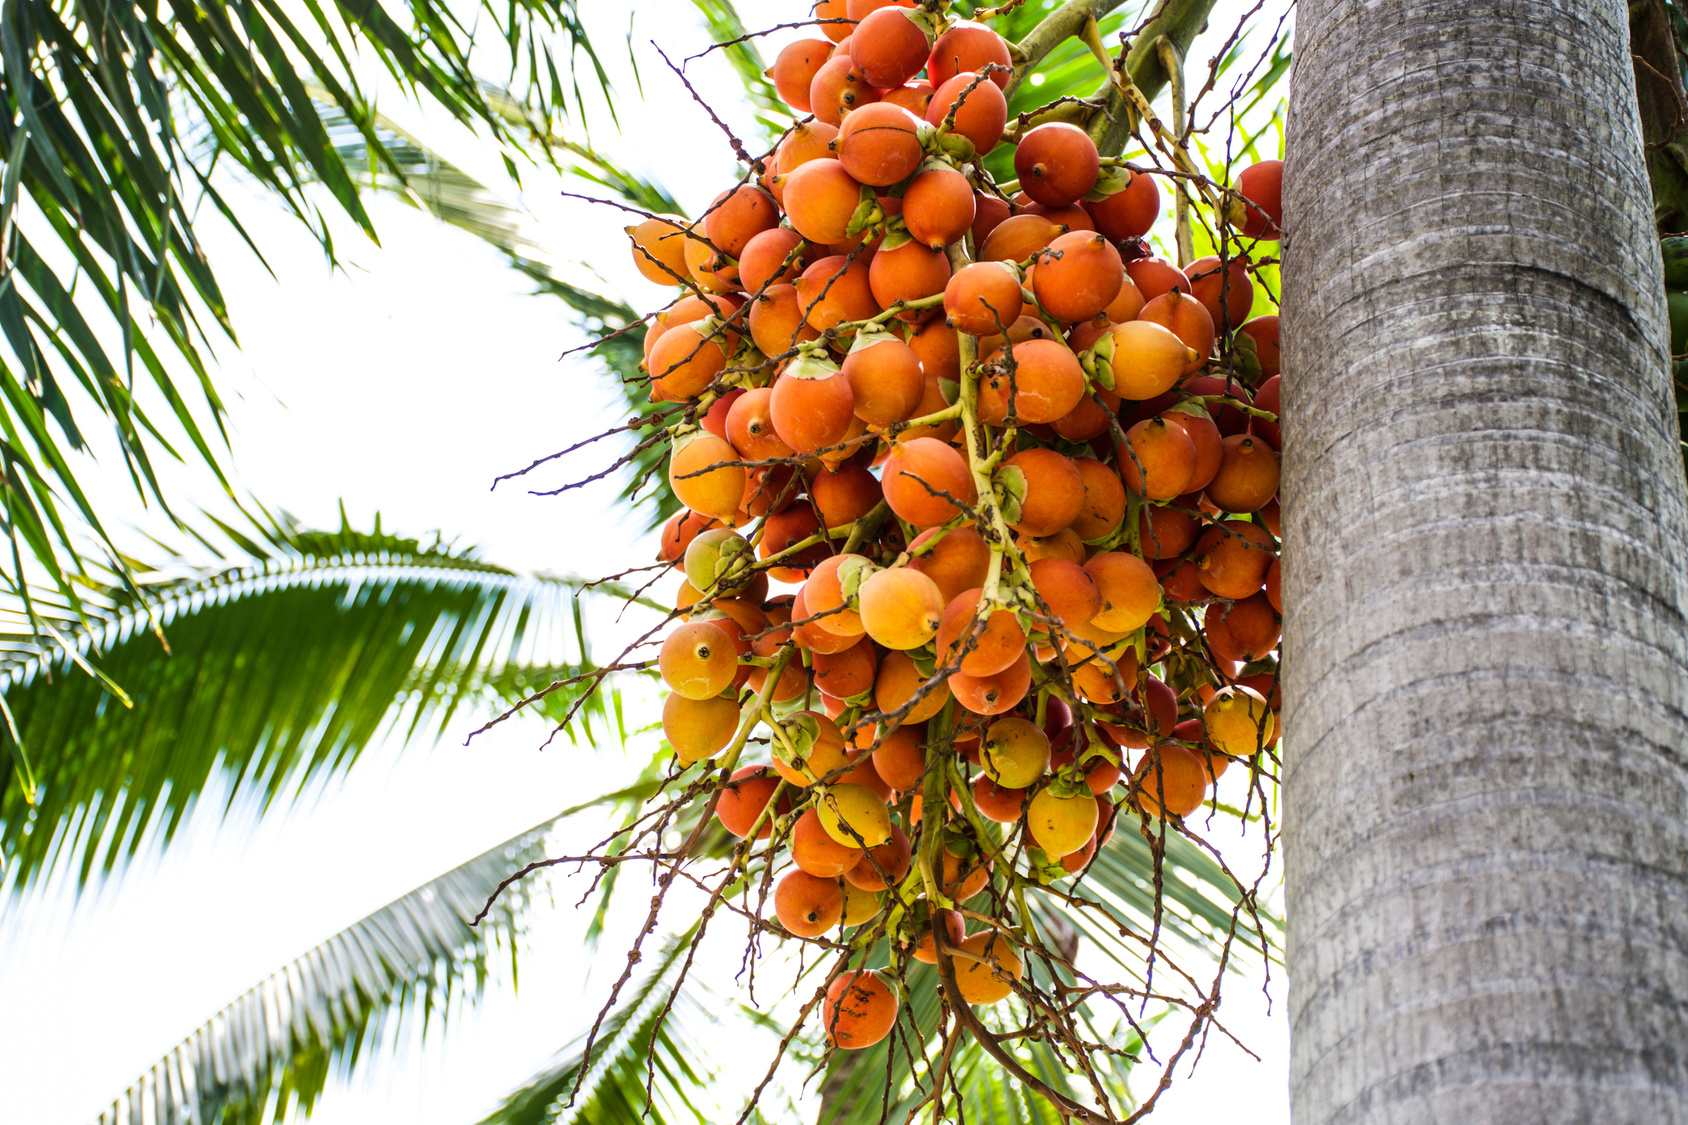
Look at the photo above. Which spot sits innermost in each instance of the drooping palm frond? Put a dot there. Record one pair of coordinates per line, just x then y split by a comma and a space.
115, 116
283, 663
275, 1046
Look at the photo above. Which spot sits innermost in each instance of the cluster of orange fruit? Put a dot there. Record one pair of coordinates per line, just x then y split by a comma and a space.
1028, 514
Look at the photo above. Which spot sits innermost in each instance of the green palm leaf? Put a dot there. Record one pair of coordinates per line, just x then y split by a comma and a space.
283, 663
273, 1048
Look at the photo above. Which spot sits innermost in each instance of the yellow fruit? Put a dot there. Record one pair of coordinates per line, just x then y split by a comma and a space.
1015, 753
1238, 721
854, 815
1061, 825
859, 905
979, 981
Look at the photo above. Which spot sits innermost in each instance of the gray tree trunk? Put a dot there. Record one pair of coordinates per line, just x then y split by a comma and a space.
1485, 534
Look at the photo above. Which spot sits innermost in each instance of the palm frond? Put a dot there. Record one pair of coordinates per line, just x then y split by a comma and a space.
274, 669
274, 1047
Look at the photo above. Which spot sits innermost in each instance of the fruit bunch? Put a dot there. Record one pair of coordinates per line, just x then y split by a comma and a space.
979, 543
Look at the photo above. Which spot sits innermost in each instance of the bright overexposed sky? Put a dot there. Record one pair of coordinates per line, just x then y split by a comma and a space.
402, 384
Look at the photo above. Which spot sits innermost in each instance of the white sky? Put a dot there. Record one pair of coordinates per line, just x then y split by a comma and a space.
403, 385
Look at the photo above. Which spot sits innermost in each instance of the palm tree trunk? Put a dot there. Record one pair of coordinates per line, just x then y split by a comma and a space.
1485, 533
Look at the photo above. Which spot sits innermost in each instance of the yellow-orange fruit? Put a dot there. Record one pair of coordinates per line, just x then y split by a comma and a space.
1155, 276
1061, 824
1157, 459
963, 875
889, 47
813, 635
987, 975
908, 273
794, 679
1103, 507
1187, 319
938, 207
854, 814
699, 728
1068, 591
884, 865
835, 13
811, 411
815, 853
684, 363
958, 561
878, 144
1232, 557
1227, 294
707, 477
1129, 212
966, 49
773, 255
1064, 544
838, 87
1078, 276
982, 298
1014, 753
777, 323
924, 479
860, 1010
843, 675
899, 756
698, 660
1100, 681
899, 680
1046, 382
1244, 630
1129, 589
1018, 238
1166, 533
833, 291
1148, 359
971, 109
1172, 772
659, 249
1054, 491
997, 693
1057, 164
901, 608
826, 757
806, 141
1248, 475
996, 646
1126, 305
808, 906
887, 381
710, 270
823, 595
794, 70
738, 215
820, 197
1210, 448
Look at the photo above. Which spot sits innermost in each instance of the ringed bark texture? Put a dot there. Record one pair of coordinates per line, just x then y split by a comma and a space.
1485, 534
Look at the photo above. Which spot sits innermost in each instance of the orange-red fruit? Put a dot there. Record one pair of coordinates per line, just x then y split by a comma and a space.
1264, 330
820, 196
848, 673
1148, 359
1017, 238
1104, 500
1172, 772
839, 86
845, 495
997, 646
966, 48
1129, 590
751, 430
908, 273
833, 292
1210, 447
1078, 276
677, 534
1057, 164
1186, 318
659, 249
1248, 475
886, 380
1269, 397
1129, 212
776, 320
996, 802
898, 682
1262, 188
1232, 558
818, 854
707, 477
765, 259
1072, 216
889, 47
982, 298
900, 758
957, 562
1054, 491
806, 905
989, 212
1274, 580
784, 529
1244, 630
823, 595
997, 693
744, 797
955, 931
878, 144
882, 865
938, 206
913, 96
1153, 276
814, 635
1046, 383
1166, 532
809, 140
831, 10
1210, 285
811, 412
794, 70
737, 216
683, 364
1157, 459
860, 1009
981, 112
924, 478
1068, 591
